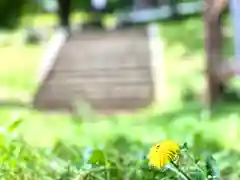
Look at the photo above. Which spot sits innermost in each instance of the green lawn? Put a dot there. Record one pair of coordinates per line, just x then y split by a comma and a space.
19, 70
183, 122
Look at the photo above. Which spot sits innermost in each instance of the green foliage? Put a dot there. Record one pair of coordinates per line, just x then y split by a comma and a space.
212, 169
120, 153
120, 158
10, 13
97, 158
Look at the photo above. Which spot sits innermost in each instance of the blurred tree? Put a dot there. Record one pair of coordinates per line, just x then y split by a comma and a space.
10, 13
64, 10
119, 4
80, 5
213, 47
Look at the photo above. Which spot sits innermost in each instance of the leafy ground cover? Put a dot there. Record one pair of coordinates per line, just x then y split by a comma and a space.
45, 146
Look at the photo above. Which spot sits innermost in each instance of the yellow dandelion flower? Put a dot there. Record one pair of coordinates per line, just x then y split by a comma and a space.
163, 153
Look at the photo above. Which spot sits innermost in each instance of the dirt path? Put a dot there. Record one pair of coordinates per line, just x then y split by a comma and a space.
110, 70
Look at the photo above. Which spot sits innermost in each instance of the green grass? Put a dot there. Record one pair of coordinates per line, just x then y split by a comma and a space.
49, 20
62, 141
19, 70
125, 135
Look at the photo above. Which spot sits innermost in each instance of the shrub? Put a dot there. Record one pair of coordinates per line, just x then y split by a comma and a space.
10, 13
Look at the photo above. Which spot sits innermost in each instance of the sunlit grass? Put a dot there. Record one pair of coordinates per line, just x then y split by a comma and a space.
50, 20
18, 70
43, 129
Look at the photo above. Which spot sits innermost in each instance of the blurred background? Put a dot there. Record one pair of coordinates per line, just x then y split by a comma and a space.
57, 75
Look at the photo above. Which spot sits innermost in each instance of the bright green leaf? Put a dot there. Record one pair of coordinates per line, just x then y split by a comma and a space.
212, 167
97, 157
14, 125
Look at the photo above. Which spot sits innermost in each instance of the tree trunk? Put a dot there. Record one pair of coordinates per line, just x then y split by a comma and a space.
64, 9
213, 46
